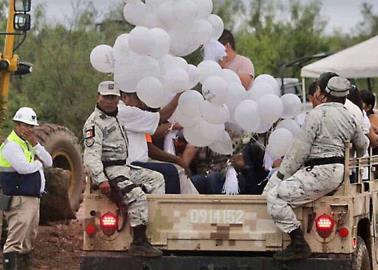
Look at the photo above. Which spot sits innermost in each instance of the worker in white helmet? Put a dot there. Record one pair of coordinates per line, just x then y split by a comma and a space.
22, 159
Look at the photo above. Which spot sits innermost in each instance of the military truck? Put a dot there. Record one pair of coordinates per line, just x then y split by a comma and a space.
208, 232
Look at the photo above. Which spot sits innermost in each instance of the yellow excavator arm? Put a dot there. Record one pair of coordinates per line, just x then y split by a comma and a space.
9, 62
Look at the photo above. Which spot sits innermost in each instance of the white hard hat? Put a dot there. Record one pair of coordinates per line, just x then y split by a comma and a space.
26, 115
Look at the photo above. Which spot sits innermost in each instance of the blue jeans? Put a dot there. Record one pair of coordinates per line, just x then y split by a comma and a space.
169, 171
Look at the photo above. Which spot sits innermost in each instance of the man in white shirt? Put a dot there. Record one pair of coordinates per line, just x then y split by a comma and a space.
22, 159
139, 122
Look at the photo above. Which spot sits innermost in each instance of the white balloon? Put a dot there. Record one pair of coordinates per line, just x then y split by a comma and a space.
223, 144
190, 102
236, 94
162, 42
176, 80
184, 120
230, 76
201, 31
210, 131
214, 114
280, 140
214, 89
121, 46
195, 138
217, 24
183, 46
150, 91
141, 40
169, 62
263, 127
208, 68
290, 125
270, 108
292, 105
187, 38
102, 58
247, 116
269, 79
193, 75
135, 13
152, 19
166, 14
128, 73
185, 10
205, 7
260, 89
154, 4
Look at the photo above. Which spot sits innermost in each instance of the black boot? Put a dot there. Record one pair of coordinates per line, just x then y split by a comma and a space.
10, 261
140, 245
298, 248
24, 261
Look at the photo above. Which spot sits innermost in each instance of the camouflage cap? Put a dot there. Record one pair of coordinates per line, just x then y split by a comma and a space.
338, 87
107, 88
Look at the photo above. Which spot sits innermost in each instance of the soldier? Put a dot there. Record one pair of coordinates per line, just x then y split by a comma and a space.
23, 181
105, 156
314, 165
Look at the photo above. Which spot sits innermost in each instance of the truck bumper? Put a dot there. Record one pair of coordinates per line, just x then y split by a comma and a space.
120, 260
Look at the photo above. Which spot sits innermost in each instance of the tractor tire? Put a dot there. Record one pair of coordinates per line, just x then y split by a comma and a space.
65, 182
361, 258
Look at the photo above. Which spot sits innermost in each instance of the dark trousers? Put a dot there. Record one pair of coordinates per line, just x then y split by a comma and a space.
250, 179
169, 171
213, 183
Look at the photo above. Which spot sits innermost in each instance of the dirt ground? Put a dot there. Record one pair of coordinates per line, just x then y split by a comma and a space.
58, 247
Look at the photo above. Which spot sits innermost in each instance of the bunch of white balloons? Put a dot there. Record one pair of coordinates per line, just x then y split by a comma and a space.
189, 23
148, 61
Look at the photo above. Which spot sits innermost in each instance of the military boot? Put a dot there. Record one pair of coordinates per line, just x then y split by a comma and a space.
140, 245
24, 261
10, 261
296, 250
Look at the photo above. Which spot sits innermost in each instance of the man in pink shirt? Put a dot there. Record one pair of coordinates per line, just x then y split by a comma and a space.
242, 65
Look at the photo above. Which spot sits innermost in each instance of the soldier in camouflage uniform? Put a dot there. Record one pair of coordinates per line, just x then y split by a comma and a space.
105, 156
314, 165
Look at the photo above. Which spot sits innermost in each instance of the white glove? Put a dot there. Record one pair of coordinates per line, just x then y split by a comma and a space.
273, 182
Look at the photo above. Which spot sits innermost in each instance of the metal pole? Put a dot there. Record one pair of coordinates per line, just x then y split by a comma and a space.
303, 90
7, 55
369, 84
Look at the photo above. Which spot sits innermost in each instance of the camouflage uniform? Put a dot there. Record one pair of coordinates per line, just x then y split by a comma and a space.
323, 135
105, 156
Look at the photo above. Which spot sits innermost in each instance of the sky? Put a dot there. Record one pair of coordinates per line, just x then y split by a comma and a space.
340, 14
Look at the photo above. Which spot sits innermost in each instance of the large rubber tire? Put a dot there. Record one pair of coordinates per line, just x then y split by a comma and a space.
63, 146
361, 258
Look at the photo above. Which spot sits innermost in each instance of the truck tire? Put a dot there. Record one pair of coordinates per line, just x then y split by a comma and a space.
361, 258
66, 177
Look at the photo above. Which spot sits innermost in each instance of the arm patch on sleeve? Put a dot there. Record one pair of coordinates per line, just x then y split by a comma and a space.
89, 136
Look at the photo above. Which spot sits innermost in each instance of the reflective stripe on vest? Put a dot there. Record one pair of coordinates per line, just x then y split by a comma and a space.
27, 149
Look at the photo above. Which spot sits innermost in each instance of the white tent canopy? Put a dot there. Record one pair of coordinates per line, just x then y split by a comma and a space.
358, 61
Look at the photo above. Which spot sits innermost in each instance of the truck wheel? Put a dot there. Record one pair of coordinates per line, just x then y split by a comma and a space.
361, 258
63, 146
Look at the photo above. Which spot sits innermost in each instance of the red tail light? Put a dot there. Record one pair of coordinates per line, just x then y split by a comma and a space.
324, 225
90, 229
109, 223
343, 232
